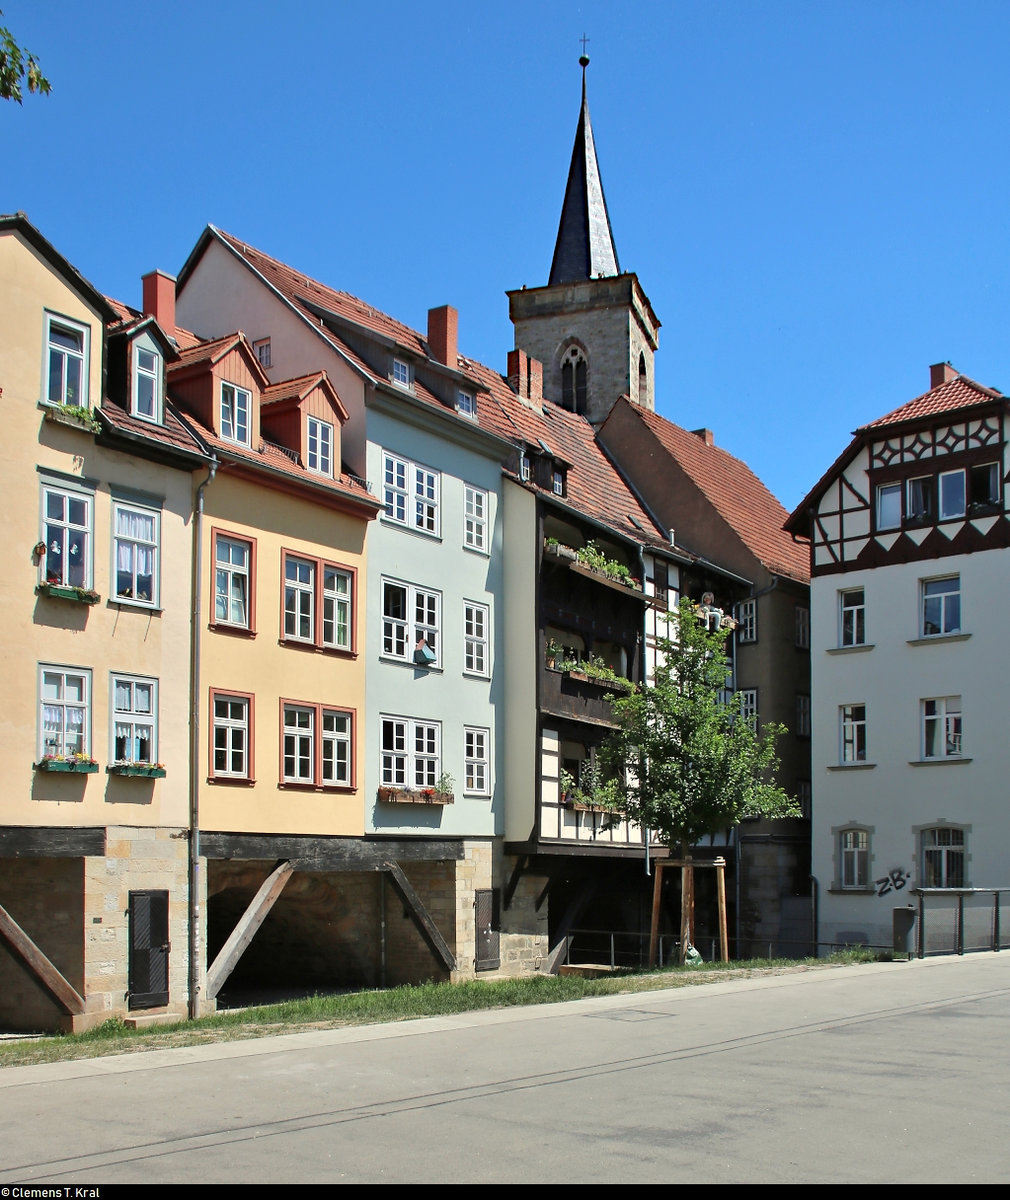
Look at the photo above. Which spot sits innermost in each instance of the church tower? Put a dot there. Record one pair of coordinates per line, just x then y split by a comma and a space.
592, 327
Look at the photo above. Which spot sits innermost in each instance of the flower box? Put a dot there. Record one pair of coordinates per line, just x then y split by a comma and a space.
138, 770
72, 415
76, 765
393, 795
60, 591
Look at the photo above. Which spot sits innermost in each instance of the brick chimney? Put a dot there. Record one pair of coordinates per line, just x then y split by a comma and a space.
706, 435
159, 299
941, 373
526, 377
443, 328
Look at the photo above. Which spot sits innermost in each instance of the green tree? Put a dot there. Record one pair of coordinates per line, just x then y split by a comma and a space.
17, 67
686, 760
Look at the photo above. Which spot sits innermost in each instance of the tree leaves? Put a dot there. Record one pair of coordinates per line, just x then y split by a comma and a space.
17, 66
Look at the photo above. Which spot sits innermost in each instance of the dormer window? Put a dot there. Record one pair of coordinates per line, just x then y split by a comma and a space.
262, 348
146, 384
524, 467
558, 482
401, 373
319, 457
66, 361
466, 405
235, 406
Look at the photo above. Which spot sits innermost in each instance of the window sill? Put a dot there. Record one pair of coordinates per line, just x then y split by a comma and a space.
423, 668
477, 550
939, 637
136, 770
234, 630
854, 766
76, 595
860, 649
230, 780
392, 523
298, 644
141, 605
296, 785
63, 766
61, 415
834, 890
952, 761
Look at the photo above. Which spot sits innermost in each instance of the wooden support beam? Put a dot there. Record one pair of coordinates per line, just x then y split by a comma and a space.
426, 927
572, 914
517, 872
38, 966
247, 926
328, 853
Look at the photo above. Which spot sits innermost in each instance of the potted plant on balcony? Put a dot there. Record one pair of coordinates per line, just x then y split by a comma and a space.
140, 770
82, 764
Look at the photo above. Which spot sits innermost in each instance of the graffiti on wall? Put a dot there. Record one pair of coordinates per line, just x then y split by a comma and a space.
893, 881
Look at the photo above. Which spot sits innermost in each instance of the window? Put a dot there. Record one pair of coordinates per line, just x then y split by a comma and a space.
802, 624
474, 518
135, 549
524, 467
233, 581
854, 858
852, 617
65, 712
320, 448
803, 796
748, 629
67, 345
134, 720
410, 494
983, 486
411, 752
146, 384
889, 506
574, 390
558, 482
410, 623
235, 406
952, 496
337, 592
475, 637
231, 737
941, 727
802, 715
476, 761
299, 599
921, 499
748, 704
316, 749
401, 373
943, 857
466, 405
66, 531
263, 352
853, 730
941, 606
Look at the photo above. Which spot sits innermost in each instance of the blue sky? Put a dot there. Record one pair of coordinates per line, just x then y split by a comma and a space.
814, 194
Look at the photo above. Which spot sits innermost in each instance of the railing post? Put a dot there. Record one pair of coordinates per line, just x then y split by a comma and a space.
922, 925
611, 950
995, 921
960, 923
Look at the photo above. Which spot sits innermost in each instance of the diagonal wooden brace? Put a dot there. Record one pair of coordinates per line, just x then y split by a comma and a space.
37, 965
248, 925
426, 927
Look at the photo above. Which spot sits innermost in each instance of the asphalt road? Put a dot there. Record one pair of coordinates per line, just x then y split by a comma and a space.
893, 1072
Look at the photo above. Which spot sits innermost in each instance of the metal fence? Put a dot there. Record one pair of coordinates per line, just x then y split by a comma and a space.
960, 920
630, 950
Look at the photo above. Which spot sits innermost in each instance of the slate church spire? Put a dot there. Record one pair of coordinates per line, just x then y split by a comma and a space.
585, 246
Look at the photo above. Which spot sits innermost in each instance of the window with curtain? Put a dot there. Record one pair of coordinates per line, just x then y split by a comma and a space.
136, 554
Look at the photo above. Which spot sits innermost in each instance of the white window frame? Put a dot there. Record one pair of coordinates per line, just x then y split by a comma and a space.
410, 752
888, 491
64, 354
229, 571
466, 404
338, 608
854, 859
411, 494
67, 535
236, 414
558, 482
420, 620
802, 627
853, 631
476, 639
939, 613
299, 743
524, 467
135, 545
137, 719
747, 629
952, 502
940, 719
400, 373
748, 704
57, 743
155, 374
264, 353
476, 761
852, 733
231, 725
943, 856
319, 446
475, 506
299, 599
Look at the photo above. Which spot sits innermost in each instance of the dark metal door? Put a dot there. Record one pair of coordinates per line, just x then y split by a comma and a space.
487, 909
149, 948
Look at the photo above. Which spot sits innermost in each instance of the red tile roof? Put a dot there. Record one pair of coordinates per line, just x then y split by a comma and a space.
957, 393
172, 433
735, 492
128, 317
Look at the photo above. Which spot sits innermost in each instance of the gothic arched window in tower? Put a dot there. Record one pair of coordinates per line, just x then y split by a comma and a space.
574, 381
643, 382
